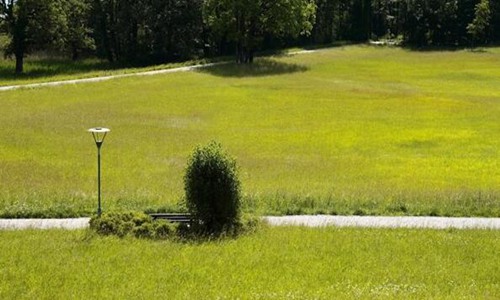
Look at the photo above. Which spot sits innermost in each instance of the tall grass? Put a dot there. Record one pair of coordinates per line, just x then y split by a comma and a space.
278, 263
352, 130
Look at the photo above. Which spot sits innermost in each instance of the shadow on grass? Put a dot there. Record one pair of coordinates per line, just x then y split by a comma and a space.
287, 52
480, 48
50, 67
41, 68
261, 67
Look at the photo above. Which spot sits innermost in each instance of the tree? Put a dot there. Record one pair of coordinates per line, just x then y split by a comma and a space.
494, 33
77, 34
31, 25
173, 28
117, 24
324, 28
361, 20
245, 22
482, 15
15, 28
147, 30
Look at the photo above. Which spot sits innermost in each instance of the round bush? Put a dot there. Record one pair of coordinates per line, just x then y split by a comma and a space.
212, 189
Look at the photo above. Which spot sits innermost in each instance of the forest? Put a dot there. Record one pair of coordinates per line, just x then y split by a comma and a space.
158, 31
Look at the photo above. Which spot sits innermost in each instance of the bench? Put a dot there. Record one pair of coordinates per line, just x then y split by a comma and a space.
172, 217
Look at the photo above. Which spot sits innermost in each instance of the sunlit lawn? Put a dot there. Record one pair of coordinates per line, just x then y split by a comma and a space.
277, 263
351, 130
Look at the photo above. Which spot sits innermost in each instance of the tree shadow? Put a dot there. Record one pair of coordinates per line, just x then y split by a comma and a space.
45, 67
36, 68
279, 52
416, 48
261, 67
334, 44
475, 49
478, 50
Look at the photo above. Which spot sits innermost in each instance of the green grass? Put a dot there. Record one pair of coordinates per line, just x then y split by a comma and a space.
3, 43
349, 130
278, 263
39, 68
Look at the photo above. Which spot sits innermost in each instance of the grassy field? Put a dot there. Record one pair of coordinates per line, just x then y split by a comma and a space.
39, 68
277, 263
348, 130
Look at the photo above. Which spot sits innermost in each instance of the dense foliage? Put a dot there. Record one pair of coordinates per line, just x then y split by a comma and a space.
132, 223
141, 225
246, 22
153, 29
159, 31
212, 189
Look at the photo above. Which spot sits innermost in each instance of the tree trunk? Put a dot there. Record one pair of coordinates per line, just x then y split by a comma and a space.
19, 63
366, 15
74, 52
244, 55
239, 54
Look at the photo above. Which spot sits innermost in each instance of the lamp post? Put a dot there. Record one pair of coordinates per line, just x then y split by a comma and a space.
99, 133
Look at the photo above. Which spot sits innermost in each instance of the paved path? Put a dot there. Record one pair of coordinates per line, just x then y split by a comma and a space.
386, 222
77, 223
310, 221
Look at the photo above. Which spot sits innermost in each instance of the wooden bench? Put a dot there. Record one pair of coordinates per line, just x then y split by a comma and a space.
172, 217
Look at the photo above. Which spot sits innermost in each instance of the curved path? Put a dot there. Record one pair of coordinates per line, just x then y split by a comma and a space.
310, 221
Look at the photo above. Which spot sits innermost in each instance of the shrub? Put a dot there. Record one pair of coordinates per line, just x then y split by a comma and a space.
145, 230
212, 189
164, 229
120, 224
136, 224
249, 224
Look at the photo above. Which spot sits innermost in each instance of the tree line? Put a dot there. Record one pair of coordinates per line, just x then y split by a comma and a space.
152, 31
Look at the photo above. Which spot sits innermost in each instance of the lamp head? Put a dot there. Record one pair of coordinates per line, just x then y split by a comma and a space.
99, 133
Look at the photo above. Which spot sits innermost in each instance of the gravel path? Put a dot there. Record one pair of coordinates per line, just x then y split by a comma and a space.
387, 222
77, 223
310, 221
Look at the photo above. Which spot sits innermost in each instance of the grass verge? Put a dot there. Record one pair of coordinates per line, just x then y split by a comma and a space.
275, 263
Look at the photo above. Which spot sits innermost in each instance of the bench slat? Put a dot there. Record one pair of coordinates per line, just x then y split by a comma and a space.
172, 217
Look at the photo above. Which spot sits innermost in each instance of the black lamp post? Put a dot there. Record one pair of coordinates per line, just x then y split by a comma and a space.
99, 134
